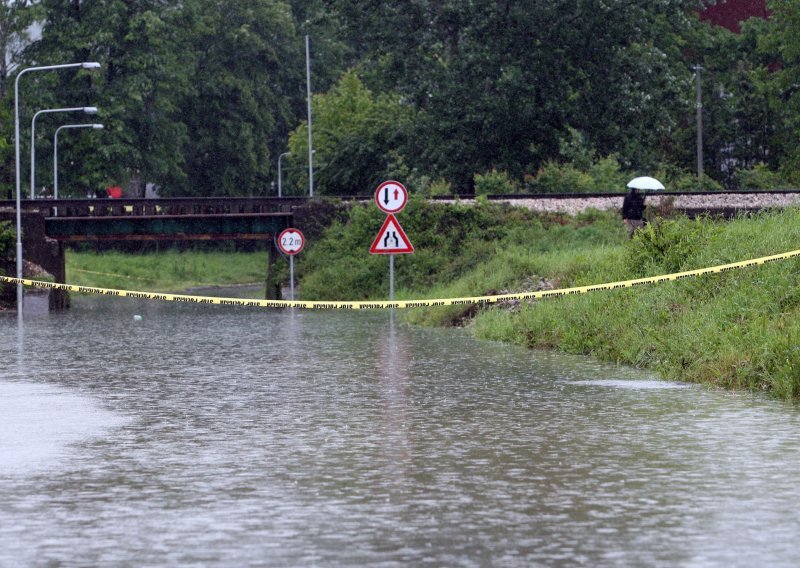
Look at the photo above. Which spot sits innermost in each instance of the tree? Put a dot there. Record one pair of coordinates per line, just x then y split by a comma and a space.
248, 67
145, 73
355, 137
497, 84
16, 19
781, 44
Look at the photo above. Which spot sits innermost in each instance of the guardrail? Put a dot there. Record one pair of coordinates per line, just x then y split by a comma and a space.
149, 207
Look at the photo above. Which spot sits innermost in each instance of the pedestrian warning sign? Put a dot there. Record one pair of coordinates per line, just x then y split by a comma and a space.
391, 239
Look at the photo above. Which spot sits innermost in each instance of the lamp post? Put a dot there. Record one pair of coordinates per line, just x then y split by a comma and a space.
87, 110
55, 150
84, 65
279, 171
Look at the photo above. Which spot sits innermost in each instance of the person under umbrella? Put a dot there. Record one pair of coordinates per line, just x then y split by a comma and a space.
633, 204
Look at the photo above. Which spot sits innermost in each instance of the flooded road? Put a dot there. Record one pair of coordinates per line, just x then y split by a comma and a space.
213, 436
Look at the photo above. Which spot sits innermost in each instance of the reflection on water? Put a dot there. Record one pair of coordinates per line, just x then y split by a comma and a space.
228, 437
38, 423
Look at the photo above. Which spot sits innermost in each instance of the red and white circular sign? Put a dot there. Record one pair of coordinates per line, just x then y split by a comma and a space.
291, 241
391, 196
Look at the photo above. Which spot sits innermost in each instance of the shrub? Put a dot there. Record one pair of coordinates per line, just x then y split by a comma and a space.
666, 245
689, 182
439, 187
495, 183
607, 175
553, 177
759, 177
8, 237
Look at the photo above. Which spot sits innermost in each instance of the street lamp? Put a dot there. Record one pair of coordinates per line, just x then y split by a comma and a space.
279, 171
87, 110
84, 65
55, 150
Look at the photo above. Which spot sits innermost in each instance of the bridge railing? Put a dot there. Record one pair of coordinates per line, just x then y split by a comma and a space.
172, 206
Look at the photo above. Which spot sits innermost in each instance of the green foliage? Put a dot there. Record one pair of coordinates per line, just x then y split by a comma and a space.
232, 109
450, 242
607, 175
664, 245
689, 182
495, 183
596, 175
8, 239
355, 136
776, 83
166, 271
200, 96
196, 96
553, 177
759, 177
736, 329
438, 187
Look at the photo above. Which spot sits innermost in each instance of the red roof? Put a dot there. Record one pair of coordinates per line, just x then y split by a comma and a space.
730, 13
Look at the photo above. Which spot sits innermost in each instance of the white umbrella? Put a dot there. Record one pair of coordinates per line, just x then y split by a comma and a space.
645, 183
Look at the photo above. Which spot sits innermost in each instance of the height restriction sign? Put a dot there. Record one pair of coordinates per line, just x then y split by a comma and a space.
291, 241
391, 196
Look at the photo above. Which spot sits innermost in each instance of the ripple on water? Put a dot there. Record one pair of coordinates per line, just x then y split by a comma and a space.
630, 384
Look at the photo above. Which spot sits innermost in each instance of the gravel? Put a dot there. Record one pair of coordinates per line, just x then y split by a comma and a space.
575, 205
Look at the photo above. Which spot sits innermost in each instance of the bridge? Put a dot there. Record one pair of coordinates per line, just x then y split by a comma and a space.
48, 224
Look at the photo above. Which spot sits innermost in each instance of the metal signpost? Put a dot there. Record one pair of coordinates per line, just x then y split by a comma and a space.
290, 242
391, 197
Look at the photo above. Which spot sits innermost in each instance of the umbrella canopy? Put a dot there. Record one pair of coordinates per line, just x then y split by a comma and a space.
114, 191
645, 183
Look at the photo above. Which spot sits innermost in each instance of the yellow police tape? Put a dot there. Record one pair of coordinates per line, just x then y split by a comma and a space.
404, 303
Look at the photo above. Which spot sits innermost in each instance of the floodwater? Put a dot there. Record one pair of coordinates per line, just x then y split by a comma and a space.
217, 436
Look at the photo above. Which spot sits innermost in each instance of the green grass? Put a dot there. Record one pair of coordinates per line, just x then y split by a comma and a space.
165, 272
737, 330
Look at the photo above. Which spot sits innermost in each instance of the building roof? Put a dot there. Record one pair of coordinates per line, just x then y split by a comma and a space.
730, 13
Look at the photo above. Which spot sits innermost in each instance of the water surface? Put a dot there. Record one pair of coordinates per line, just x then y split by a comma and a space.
218, 436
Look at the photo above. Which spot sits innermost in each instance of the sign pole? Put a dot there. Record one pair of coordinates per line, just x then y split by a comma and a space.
291, 278
391, 278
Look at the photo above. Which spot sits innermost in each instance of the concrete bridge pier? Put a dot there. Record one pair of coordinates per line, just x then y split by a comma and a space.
38, 250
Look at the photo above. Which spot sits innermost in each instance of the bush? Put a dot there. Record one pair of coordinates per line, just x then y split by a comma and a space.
689, 182
759, 177
571, 177
561, 178
666, 245
495, 183
438, 187
8, 238
607, 175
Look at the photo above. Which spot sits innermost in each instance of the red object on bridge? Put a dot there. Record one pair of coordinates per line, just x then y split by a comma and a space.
114, 191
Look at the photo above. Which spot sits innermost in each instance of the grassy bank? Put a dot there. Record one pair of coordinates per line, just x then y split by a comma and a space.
738, 330
168, 271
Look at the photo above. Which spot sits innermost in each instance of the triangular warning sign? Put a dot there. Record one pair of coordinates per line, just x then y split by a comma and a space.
391, 239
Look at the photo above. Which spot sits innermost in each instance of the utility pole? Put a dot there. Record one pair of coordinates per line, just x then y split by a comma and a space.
308, 94
699, 107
